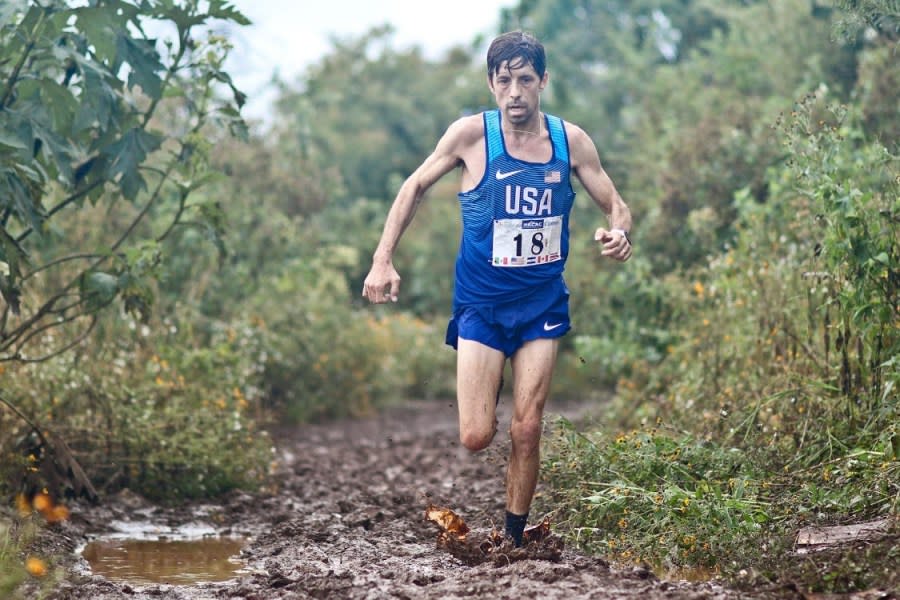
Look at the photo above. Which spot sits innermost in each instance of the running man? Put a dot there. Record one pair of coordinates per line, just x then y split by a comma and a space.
510, 299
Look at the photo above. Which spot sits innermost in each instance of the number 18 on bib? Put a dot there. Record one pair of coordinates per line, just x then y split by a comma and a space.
526, 242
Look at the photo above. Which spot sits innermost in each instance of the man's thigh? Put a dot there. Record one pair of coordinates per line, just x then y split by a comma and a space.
532, 367
478, 372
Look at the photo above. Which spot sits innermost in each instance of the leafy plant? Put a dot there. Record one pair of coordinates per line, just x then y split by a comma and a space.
782, 357
653, 495
88, 105
79, 98
150, 411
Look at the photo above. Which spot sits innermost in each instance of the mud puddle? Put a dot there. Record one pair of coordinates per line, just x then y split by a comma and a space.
347, 520
165, 561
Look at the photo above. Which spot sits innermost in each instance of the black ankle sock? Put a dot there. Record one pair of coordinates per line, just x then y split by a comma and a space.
515, 525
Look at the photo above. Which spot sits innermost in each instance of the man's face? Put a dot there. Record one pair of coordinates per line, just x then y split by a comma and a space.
517, 90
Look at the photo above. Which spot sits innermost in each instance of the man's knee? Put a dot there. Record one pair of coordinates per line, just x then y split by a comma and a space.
525, 433
475, 438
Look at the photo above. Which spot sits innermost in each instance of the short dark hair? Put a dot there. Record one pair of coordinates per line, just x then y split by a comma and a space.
516, 48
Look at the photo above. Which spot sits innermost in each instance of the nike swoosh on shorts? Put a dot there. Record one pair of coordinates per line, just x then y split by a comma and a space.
549, 327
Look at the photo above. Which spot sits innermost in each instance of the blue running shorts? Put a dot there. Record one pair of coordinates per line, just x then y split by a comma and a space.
506, 327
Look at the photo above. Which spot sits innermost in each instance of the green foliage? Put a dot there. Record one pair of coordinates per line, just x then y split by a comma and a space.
149, 410
326, 359
877, 97
882, 16
783, 355
23, 573
851, 186
703, 130
809, 295
105, 134
620, 314
683, 505
80, 98
10, 563
654, 495
394, 108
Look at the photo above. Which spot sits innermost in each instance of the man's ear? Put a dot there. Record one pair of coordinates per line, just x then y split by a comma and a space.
544, 80
490, 79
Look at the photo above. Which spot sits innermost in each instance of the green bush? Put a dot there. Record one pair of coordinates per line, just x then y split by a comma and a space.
326, 358
620, 319
653, 495
151, 409
783, 355
796, 321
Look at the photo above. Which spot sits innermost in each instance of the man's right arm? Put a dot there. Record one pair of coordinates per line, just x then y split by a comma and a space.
383, 281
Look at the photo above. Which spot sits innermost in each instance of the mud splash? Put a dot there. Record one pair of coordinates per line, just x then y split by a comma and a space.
474, 547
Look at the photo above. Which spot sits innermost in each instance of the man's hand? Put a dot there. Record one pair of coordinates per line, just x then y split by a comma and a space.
615, 243
382, 283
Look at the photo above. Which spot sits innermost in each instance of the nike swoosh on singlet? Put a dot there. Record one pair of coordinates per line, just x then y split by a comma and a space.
501, 175
549, 327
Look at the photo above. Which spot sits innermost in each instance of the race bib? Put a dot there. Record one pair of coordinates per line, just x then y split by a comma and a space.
526, 242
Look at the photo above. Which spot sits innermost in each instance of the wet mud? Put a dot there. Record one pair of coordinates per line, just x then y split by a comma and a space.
346, 519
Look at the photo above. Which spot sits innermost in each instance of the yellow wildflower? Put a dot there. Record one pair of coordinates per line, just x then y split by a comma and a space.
36, 566
42, 502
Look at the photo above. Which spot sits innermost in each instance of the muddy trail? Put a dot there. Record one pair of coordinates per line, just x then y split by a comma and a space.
347, 521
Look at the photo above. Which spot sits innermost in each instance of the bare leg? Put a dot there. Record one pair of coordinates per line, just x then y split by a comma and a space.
532, 367
478, 372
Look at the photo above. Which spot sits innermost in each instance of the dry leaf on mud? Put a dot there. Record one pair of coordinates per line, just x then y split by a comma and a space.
536, 533
447, 520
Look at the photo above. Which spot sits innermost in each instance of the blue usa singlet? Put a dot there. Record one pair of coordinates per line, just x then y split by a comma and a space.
515, 222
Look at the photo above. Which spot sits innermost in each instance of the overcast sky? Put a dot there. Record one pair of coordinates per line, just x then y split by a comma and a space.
288, 35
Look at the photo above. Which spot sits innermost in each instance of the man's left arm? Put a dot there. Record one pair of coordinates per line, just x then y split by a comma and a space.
585, 162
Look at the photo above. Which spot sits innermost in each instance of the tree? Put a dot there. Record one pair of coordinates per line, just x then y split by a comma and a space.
104, 131
81, 90
378, 109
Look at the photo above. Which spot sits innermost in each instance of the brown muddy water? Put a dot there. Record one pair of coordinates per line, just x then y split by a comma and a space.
165, 561
140, 550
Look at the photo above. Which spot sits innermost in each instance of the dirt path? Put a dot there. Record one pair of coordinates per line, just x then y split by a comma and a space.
347, 522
